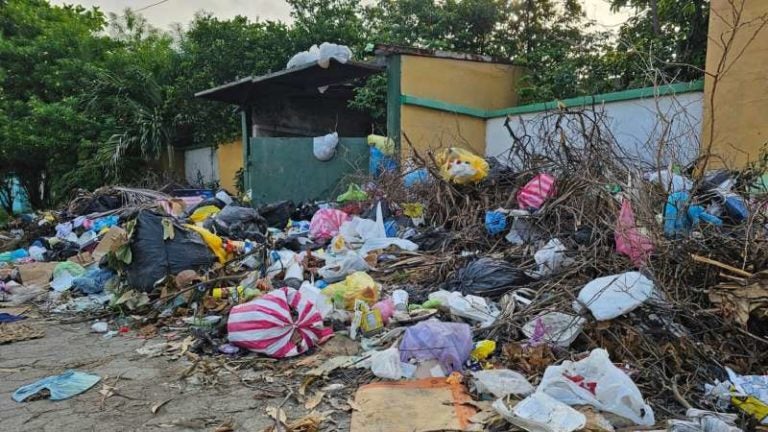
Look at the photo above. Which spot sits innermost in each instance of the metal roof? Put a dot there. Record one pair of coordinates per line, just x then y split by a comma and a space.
392, 49
300, 79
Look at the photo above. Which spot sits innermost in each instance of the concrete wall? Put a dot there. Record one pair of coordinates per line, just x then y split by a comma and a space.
478, 85
741, 95
230, 157
635, 124
201, 166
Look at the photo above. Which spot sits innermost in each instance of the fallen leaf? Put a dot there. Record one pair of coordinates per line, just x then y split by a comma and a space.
148, 331
352, 404
314, 400
305, 383
227, 426
308, 361
156, 407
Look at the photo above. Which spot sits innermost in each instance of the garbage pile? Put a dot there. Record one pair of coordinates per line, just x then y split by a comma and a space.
558, 291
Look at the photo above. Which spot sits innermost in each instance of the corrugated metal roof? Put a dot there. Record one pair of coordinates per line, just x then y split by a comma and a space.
391, 49
301, 79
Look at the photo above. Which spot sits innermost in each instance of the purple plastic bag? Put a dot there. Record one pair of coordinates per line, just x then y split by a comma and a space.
448, 343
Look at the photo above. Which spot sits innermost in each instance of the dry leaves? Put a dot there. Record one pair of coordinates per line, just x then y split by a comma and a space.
156, 407
314, 400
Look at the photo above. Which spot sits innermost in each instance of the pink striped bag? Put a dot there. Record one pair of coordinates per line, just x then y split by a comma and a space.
536, 192
279, 324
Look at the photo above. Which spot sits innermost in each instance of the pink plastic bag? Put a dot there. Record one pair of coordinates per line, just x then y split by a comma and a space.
267, 325
536, 192
629, 240
326, 222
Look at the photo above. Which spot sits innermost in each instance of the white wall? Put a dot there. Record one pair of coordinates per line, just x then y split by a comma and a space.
636, 126
201, 166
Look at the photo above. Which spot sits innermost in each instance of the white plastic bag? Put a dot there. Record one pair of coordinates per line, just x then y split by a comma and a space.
670, 181
555, 328
328, 51
386, 364
471, 307
324, 147
550, 259
372, 234
502, 382
323, 304
338, 266
612, 296
285, 260
541, 413
596, 381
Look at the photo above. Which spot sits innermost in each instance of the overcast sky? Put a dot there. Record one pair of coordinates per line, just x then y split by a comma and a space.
182, 11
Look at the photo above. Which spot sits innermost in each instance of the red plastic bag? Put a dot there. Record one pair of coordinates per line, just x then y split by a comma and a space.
536, 192
326, 222
629, 240
267, 325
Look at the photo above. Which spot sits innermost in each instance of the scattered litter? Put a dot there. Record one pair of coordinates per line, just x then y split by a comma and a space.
70, 383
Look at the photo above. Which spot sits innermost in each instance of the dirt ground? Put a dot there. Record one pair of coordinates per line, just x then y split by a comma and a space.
196, 401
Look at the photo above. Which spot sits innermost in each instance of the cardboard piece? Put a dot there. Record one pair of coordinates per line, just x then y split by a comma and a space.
412, 406
37, 274
112, 239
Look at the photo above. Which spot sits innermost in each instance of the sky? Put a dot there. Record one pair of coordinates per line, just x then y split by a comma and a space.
168, 12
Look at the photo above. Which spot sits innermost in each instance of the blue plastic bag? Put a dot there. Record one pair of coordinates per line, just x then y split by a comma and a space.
64, 386
680, 217
379, 162
495, 222
93, 281
416, 177
447, 342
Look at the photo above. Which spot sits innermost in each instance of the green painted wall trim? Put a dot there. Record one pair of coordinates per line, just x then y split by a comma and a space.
443, 106
625, 95
393, 100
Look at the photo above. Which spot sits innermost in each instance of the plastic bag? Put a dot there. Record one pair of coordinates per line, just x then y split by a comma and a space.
470, 307
386, 364
277, 214
285, 261
328, 51
536, 192
612, 296
339, 266
550, 259
502, 382
324, 147
93, 282
315, 295
280, 324
447, 342
354, 193
554, 328
541, 413
487, 277
60, 387
629, 240
379, 163
385, 145
326, 222
239, 223
596, 381
670, 181
214, 242
461, 166
495, 222
357, 286
154, 258
202, 213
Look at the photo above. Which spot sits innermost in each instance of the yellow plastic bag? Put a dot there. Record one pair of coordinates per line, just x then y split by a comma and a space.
750, 405
357, 286
461, 166
413, 210
483, 349
214, 242
203, 213
384, 144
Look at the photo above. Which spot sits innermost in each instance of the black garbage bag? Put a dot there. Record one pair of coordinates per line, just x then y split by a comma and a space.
239, 223
155, 258
487, 277
277, 214
61, 250
304, 211
433, 240
206, 202
386, 212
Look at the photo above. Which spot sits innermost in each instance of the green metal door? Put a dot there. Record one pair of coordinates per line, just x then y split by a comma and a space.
286, 168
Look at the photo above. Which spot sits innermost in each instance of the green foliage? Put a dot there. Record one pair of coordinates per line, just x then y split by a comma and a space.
86, 100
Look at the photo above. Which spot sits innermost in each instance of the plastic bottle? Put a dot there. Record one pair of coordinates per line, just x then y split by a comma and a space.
236, 294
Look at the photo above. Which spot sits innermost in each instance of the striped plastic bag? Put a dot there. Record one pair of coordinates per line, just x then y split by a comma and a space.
536, 192
279, 324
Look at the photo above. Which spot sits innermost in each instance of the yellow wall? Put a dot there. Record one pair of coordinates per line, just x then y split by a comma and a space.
479, 85
230, 157
741, 96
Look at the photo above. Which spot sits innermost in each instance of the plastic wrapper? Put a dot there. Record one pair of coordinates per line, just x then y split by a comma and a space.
386, 364
337, 267
554, 328
595, 381
542, 413
325, 223
447, 342
536, 192
471, 307
629, 240
461, 166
